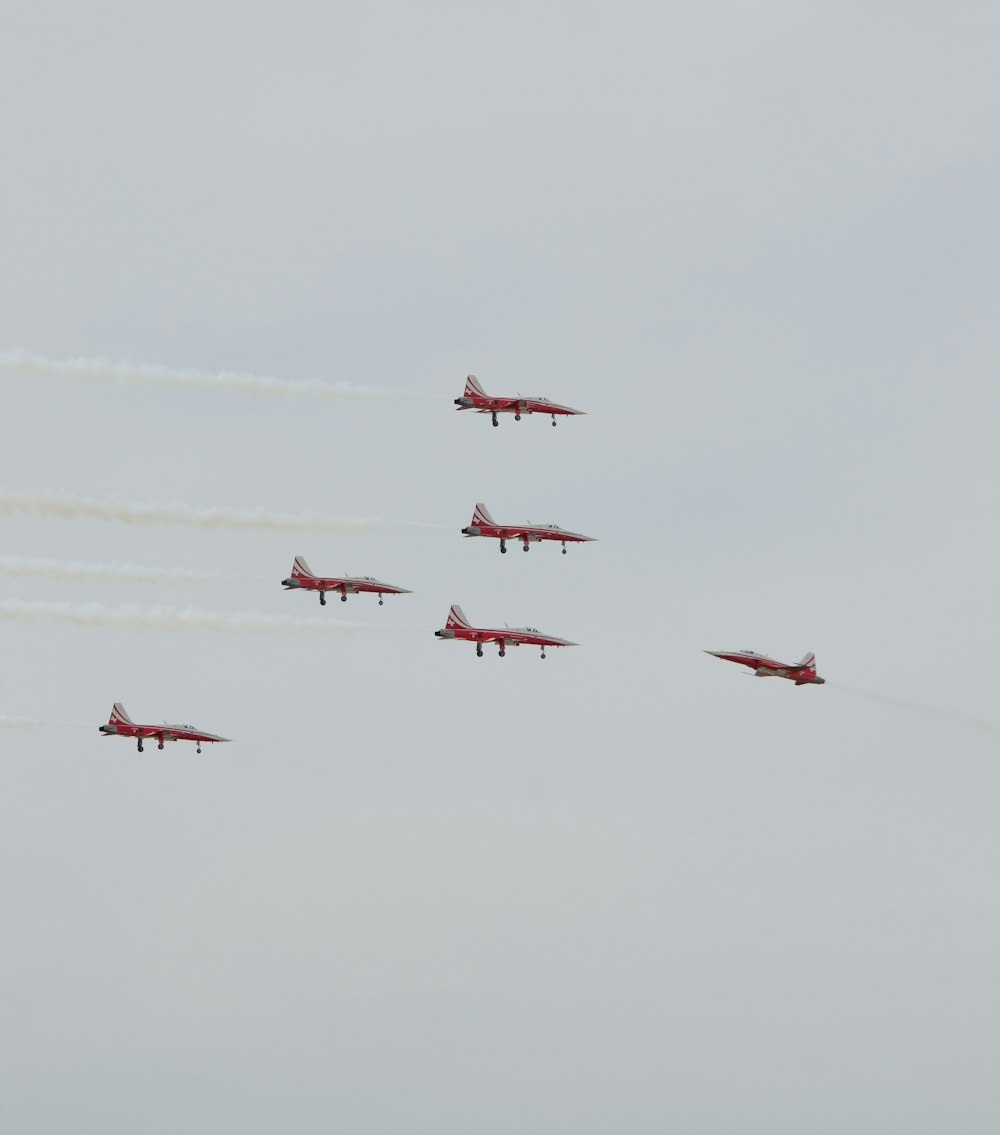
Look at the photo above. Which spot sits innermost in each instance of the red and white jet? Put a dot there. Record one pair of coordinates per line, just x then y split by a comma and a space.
121, 725
476, 398
303, 578
458, 626
484, 525
801, 673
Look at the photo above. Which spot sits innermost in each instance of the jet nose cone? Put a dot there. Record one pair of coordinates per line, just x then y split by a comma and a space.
714, 653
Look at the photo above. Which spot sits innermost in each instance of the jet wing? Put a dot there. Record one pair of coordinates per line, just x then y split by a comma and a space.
498, 404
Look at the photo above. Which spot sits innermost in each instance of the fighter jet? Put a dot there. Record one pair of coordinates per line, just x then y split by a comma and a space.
458, 626
801, 673
302, 577
476, 398
121, 725
484, 525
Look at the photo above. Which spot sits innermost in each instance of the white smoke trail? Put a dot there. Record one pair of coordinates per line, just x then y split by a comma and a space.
918, 709
170, 619
19, 723
38, 568
232, 382
66, 507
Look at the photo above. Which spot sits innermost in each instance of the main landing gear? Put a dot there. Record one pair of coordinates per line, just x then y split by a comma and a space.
380, 600
543, 653
139, 746
198, 750
479, 650
554, 422
526, 548
495, 420
564, 547
343, 597
503, 547
322, 599
159, 744
517, 417
502, 652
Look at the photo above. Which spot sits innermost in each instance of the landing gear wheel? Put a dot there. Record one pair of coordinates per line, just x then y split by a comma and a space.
322, 600
526, 548
517, 417
159, 744
495, 420
198, 750
554, 422
503, 548
139, 746
380, 600
343, 598
543, 655
479, 650
564, 551
503, 653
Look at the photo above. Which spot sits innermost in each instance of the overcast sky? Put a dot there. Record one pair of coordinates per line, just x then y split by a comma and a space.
626, 889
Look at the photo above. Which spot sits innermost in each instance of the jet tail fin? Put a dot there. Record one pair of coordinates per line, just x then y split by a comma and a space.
119, 716
472, 387
456, 618
300, 569
481, 516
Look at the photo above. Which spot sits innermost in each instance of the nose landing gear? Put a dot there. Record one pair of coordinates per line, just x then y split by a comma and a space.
322, 599
139, 746
503, 547
495, 420
479, 650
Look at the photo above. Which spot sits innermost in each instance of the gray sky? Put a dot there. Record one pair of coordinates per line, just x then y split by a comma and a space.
626, 889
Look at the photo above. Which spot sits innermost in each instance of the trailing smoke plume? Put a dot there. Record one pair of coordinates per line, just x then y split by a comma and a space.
920, 710
66, 507
19, 722
169, 619
120, 573
231, 382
